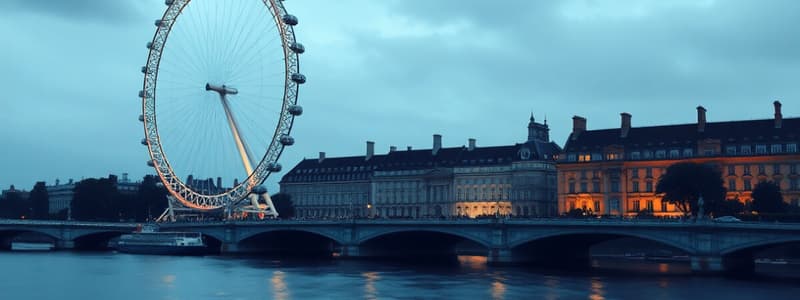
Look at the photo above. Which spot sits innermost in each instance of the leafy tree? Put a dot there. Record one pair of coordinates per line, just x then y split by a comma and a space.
767, 198
96, 200
685, 182
13, 206
284, 205
151, 199
39, 201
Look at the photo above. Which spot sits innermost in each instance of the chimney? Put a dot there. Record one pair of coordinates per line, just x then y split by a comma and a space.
701, 119
778, 115
408, 148
321, 157
471, 144
392, 149
626, 125
437, 143
578, 126
370, 150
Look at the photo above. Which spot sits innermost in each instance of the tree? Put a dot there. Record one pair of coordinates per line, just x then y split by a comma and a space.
685, 182
151, 199
767, 198
96, 200
39, 201
284, 205
13, 206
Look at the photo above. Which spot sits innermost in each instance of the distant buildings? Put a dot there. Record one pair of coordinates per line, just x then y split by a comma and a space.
468, 181
615, 171
60, 195
23, 194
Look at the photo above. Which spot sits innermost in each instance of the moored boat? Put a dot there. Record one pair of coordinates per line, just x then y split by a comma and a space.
32, 246
149, 240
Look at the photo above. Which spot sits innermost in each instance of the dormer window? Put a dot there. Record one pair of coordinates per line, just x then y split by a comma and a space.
776, 148
746, 150
791, 148
761, 149
636, 155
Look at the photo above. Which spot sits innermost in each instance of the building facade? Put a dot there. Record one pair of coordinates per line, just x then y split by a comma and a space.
466, 181
615, 171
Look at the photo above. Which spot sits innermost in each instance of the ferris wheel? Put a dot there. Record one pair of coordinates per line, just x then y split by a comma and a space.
219, 99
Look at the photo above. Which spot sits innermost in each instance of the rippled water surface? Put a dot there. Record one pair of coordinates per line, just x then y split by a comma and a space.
69, 275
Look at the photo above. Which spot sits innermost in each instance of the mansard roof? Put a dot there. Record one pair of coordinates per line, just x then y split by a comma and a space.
730, 132
359, 166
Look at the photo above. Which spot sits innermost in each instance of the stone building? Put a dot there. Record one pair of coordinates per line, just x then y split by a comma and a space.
466, 181
615, 171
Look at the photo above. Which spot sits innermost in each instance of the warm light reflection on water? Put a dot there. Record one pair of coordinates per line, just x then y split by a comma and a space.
168, 279
553, 290
370, 292
596, 290
498, 286
473, 262
279, 290
663, 268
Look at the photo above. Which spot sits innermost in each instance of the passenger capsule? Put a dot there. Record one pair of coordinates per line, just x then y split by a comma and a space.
145, 70
169, 2
141, 118
287, 140
299, 78
295, 110
297, 48
150, 45
274, 167
260, 189
159, 22
289, 19
144, 142
151, 163
142, 94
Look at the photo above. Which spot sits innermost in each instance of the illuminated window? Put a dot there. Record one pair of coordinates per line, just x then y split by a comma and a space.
636, 205
761, 149
776, 148
791, 148
649, 204
746, 150
663, 205
612, 156
597, 206
730, 150
635, 155
584, 157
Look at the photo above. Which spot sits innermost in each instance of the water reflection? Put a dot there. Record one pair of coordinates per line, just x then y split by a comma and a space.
473, 262
596, 290
370, 292
498, 286
663, 268
552, 285
279, 290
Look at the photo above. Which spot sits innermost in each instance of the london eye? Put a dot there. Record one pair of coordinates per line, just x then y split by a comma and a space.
219, 98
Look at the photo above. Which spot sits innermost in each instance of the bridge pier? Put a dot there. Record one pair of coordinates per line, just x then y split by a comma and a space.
65, 244
707, 264
500, 256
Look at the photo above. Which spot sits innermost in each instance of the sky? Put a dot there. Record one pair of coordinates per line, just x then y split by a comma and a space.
397, 72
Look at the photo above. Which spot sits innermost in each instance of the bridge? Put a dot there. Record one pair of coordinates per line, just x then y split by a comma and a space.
711, 247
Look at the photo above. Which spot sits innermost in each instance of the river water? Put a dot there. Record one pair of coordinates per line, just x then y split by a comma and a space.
109, 275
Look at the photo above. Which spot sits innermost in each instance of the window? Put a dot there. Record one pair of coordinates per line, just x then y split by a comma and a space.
746, 170
708, 152
649, 204
776, 148
636, 205
687, 152
612, 156
584, 187
597, 206
761, 149
648, 154
663, 205
597, 156
635, 173
731, 170
748, 185
572, 187
584, 157
762, 169
746, 150
791, 148
583, 174
674, 153
571, 157
730, 150
636, 155
661, 154
731, 184
614, 203
635, 186
649, 186
792, 169
615, 186
596, 186
649, 172
776, 169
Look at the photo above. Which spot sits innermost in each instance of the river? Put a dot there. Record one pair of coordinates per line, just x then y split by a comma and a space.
109, 275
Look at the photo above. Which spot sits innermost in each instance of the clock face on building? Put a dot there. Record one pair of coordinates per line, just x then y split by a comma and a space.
525, 154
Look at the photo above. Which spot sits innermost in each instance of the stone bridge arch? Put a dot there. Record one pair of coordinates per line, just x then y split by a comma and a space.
367, 235
681, 243
289, 241
750, 247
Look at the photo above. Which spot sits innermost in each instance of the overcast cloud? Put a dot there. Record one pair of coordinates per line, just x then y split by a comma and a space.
398, 71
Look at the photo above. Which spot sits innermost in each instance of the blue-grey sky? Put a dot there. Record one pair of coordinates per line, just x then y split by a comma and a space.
397, 72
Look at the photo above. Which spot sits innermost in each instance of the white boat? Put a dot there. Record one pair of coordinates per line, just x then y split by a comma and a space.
32, 246
148, 240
